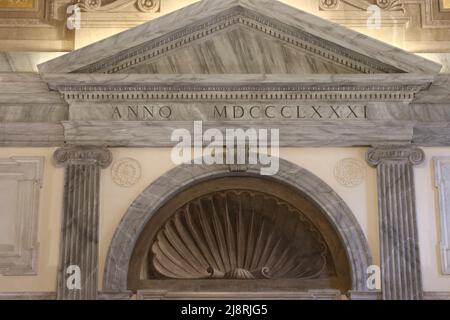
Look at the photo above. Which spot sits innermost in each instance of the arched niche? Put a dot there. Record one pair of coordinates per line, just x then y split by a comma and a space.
300, 197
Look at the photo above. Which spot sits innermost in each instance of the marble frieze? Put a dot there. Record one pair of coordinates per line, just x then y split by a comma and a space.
142, 110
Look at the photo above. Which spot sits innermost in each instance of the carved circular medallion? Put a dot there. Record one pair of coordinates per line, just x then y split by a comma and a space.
147, 5
350, 172
328, 4
126, 172
92, 4
383, 4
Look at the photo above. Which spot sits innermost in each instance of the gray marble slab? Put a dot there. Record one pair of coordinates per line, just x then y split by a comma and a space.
438, 93
242, 295
30, 112
429, 112
238, 111
308, 133
24, 97
432, 134
27, 295
31, 134
442, 183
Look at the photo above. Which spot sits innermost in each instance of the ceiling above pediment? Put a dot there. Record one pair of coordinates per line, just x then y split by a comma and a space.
236, 37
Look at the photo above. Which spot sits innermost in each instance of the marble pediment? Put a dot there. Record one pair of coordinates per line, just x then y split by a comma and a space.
241, 64
239, 37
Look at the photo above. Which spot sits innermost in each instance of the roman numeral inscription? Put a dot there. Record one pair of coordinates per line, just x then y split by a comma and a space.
192, 112
317, 112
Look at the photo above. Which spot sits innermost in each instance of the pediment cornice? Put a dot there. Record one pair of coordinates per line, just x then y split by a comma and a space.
280, 22
239, 17
84, 87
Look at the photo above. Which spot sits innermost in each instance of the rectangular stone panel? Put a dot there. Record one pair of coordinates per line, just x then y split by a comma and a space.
442, 172
341, 111
309, 133
20, 181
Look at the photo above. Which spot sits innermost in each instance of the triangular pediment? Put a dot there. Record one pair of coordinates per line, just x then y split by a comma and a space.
239, 37
236, 50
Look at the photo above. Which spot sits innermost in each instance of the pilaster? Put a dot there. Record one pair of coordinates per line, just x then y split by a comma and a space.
399, 243
80, 223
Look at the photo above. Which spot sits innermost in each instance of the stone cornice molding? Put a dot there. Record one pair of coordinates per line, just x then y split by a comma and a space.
83, 155
379, 80
79, 87
403, 154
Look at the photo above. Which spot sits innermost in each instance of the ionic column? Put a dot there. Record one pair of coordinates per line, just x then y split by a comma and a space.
400, 260
78, 263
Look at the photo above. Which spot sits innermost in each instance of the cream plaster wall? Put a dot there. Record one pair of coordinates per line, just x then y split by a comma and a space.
50, 208
115, 201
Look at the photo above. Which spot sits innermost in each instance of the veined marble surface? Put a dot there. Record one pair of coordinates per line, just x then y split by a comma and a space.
32, 115
379, 80
438, 93
239, 50
24, 97
442, 58
25, 61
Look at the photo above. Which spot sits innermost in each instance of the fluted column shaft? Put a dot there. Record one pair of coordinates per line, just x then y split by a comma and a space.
399, 244
80, 223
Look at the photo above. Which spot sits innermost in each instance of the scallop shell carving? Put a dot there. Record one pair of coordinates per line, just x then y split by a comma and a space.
238, 235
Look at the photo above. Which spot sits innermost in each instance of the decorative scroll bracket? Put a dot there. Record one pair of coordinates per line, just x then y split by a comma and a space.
118, 5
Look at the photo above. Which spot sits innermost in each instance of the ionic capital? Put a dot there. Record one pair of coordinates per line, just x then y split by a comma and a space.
83, 155
408, 154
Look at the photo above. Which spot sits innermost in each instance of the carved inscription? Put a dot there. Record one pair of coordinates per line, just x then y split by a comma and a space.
238, 112
291, 112
142, 113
